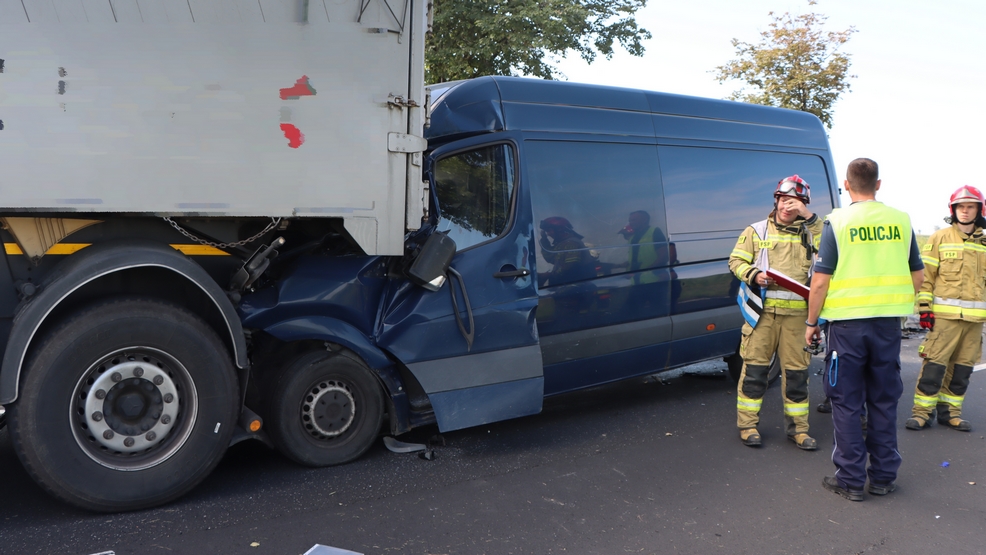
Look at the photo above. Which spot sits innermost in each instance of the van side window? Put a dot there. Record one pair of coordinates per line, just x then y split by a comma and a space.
711, 189
598, 207
474, 191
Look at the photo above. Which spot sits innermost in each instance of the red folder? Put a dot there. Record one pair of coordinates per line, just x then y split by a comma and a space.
788, 283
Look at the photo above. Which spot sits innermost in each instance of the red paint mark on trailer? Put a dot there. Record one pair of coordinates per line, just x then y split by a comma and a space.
301, 88
294, 135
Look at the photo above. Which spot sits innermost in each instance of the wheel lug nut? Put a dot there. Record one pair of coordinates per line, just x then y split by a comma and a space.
169, 398
166, 419
138, 372
100, 394
97, 416
151, 436
158, 380
129, 442
108, 434
116, 377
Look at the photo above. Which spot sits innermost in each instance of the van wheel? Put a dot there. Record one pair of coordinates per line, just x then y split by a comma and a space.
734, 363
112, 415
326, 409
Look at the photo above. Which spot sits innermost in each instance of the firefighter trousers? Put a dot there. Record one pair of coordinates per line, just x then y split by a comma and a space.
950, 351
785, 336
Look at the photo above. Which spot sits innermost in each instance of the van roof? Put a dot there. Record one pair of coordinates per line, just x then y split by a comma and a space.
492, 104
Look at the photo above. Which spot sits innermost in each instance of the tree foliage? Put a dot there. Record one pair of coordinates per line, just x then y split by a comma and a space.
471, 38
795, 65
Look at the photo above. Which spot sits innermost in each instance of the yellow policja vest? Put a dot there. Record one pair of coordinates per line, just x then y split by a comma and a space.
872, 276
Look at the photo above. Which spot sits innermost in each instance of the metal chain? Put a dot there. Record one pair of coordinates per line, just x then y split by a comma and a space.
186, 233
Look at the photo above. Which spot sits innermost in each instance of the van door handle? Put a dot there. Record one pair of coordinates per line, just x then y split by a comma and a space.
507, 272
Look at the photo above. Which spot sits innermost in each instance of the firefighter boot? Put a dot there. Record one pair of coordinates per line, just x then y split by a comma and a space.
953, 422
750, 437
920, 422
804, 441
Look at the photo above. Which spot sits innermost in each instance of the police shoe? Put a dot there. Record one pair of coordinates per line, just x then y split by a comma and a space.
955, 423
750, 437
825, 406
881, 489
917, 423
804, 441
833, 485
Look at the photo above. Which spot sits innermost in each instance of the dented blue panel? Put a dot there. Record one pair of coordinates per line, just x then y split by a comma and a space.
471, 407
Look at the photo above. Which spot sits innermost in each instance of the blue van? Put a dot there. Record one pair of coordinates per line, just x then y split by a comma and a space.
591, 228
577, 235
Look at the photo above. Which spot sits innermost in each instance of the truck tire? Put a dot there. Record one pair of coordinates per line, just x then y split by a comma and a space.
734, 364
128, 404
326, 409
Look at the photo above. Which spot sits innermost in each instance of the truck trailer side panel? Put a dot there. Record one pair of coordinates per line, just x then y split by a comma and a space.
215, 110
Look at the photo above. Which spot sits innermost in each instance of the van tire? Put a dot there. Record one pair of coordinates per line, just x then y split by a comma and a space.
95, 389
734, 364
326, 409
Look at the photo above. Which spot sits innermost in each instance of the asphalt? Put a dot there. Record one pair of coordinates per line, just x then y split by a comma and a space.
646, 466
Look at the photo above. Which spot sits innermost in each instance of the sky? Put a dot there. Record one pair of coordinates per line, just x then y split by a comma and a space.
920, 67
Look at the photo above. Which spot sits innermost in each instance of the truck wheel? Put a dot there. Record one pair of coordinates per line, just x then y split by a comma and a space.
326, 409
128, 404
734, 363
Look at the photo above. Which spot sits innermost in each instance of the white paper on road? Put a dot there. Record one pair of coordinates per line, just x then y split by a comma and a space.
319, 549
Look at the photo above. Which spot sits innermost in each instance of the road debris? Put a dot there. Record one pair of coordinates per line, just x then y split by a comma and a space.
319, 549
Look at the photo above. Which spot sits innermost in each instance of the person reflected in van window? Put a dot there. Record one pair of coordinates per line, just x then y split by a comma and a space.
648, 247
785, 242
562, 247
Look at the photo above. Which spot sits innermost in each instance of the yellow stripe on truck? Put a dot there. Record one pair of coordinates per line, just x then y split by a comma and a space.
71, 248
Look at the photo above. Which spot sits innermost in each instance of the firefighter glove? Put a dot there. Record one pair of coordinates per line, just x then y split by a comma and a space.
928, 320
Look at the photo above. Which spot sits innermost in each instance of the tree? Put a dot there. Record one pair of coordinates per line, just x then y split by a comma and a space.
471, 38
796, 65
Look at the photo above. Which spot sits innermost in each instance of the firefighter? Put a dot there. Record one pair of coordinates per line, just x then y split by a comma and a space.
786, 242
953, 292
562, 247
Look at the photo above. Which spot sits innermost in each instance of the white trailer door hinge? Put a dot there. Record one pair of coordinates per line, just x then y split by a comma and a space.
402, 142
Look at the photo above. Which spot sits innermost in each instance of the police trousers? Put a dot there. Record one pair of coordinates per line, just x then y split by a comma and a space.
862, 369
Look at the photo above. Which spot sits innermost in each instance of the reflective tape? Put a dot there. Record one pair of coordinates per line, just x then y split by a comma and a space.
960, 303
783, 303
778, 294
742, 255
72, 248
925, 401
796, 409
929, 261
953, 400
748, 405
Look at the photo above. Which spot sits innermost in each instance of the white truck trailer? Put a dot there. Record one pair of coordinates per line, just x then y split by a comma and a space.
155, 154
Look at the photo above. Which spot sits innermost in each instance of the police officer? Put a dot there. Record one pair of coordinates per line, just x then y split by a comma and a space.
954, 292
786, 242
866, 275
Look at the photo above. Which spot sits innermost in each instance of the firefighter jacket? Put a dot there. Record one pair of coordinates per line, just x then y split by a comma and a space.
954, 275
788, 249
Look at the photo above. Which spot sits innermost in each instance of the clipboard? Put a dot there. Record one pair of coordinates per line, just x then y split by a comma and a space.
788, 283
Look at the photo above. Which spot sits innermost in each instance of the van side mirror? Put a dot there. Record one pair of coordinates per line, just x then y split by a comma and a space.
430, 267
